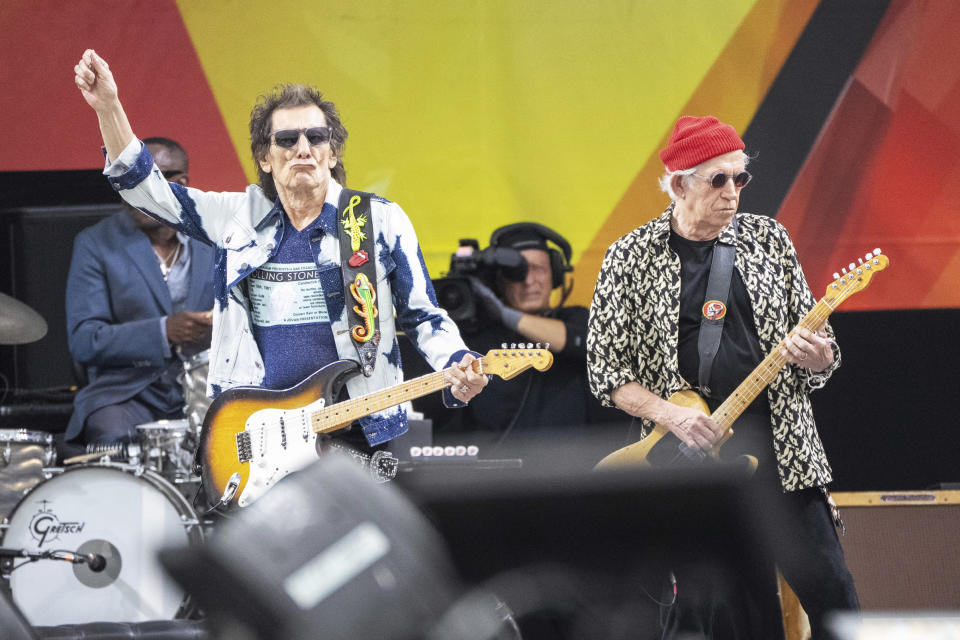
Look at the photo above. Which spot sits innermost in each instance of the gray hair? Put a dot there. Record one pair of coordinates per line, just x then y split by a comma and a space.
666, 180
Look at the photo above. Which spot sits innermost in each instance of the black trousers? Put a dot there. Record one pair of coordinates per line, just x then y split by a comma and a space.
804, 546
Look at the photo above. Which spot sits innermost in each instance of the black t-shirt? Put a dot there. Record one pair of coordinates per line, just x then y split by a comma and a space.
739, 352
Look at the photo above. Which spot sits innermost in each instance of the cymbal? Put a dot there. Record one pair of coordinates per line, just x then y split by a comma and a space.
19, 324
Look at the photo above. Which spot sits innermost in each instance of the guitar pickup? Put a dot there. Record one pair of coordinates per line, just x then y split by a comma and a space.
244, 448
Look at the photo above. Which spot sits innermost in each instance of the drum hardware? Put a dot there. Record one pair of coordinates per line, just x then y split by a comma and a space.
95, 561
108, 453
27, 437
189, 523
193, 380
167, 446
25, 457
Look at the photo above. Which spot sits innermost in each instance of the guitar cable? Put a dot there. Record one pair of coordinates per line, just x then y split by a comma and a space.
668, 608
516, 415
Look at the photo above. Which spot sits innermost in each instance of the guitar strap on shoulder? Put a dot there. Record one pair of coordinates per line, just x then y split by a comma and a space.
714, 308
360, 274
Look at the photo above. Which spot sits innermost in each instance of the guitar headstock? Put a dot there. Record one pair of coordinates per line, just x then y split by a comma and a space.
855, 277
508, 363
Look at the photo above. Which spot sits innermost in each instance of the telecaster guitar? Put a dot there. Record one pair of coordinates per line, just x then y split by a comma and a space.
662, 448
252, 437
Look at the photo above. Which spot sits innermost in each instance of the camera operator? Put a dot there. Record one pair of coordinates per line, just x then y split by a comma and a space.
511, 417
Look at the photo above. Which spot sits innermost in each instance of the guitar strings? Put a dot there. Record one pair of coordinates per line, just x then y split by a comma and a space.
731, 408
378, 400
749, 389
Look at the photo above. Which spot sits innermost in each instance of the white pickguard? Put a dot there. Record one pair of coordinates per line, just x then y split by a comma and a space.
281, 441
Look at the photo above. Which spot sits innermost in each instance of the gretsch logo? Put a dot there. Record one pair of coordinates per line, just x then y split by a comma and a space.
46, 527
714, 310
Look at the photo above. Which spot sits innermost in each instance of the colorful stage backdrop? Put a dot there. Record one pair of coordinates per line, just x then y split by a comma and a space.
476, 114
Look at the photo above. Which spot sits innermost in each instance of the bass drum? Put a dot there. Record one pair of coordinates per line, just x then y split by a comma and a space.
126, 515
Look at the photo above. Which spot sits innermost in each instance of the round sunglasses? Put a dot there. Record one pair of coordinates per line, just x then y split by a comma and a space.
288, 138
719, 180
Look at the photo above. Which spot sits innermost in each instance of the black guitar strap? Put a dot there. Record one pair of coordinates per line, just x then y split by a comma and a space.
714, 308
359, 274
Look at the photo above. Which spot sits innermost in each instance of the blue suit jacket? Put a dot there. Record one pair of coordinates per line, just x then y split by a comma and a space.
115, 297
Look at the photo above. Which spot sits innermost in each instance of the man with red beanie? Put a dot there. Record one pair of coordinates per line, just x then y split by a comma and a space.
704, 279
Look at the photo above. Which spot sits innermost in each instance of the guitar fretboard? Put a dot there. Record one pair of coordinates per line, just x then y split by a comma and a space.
343, 413
735, 404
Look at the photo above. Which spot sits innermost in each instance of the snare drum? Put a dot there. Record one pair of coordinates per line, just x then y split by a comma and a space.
123, 513
194, 383
23, 455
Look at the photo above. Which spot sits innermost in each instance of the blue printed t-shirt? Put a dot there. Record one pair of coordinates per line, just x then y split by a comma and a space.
290, 320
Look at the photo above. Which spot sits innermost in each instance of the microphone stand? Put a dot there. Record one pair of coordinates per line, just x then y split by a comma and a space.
95, 561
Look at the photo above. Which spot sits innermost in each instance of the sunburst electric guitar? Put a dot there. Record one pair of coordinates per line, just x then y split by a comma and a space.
252, 437
662, 448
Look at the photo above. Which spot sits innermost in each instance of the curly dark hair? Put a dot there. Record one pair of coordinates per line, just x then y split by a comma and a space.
282, 97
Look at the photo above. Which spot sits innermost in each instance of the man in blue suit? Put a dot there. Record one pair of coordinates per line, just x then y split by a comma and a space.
139, 298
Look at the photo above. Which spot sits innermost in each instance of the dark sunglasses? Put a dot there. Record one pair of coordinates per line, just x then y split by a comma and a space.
719, 180
288, 138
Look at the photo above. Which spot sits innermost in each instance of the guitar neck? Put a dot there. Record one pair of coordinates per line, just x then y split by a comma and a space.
728, 412
337, 415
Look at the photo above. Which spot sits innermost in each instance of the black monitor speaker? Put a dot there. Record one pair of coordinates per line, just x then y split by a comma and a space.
329, 553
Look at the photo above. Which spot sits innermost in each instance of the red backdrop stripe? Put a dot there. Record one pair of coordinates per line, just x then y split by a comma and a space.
885, 170
48, 126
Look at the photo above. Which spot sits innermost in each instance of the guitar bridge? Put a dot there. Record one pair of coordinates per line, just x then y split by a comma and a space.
244, 448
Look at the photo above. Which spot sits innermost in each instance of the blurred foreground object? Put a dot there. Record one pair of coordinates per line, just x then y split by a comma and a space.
329, 553
326, 553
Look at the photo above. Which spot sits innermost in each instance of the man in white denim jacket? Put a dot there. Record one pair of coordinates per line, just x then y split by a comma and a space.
297, 140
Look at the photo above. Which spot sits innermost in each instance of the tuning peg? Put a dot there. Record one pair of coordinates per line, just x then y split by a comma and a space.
852, 266
860, 260
503, 345
876, 252
843, 271
836, 276
546, 345
868, 256
513, 345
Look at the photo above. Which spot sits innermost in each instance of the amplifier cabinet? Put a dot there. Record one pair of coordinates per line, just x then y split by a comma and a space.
903, 548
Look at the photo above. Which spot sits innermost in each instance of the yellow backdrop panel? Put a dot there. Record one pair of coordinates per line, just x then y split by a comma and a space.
472, 115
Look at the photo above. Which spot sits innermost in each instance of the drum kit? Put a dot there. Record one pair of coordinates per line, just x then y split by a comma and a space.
80, 542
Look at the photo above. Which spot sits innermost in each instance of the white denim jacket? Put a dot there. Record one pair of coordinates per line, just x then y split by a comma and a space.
246, 228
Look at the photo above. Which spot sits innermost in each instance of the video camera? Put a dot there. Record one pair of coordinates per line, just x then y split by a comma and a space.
453, 291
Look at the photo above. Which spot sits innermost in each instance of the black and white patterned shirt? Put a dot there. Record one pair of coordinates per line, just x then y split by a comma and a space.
633, 326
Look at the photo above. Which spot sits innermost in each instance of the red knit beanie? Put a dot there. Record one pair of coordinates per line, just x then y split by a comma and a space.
697, 139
